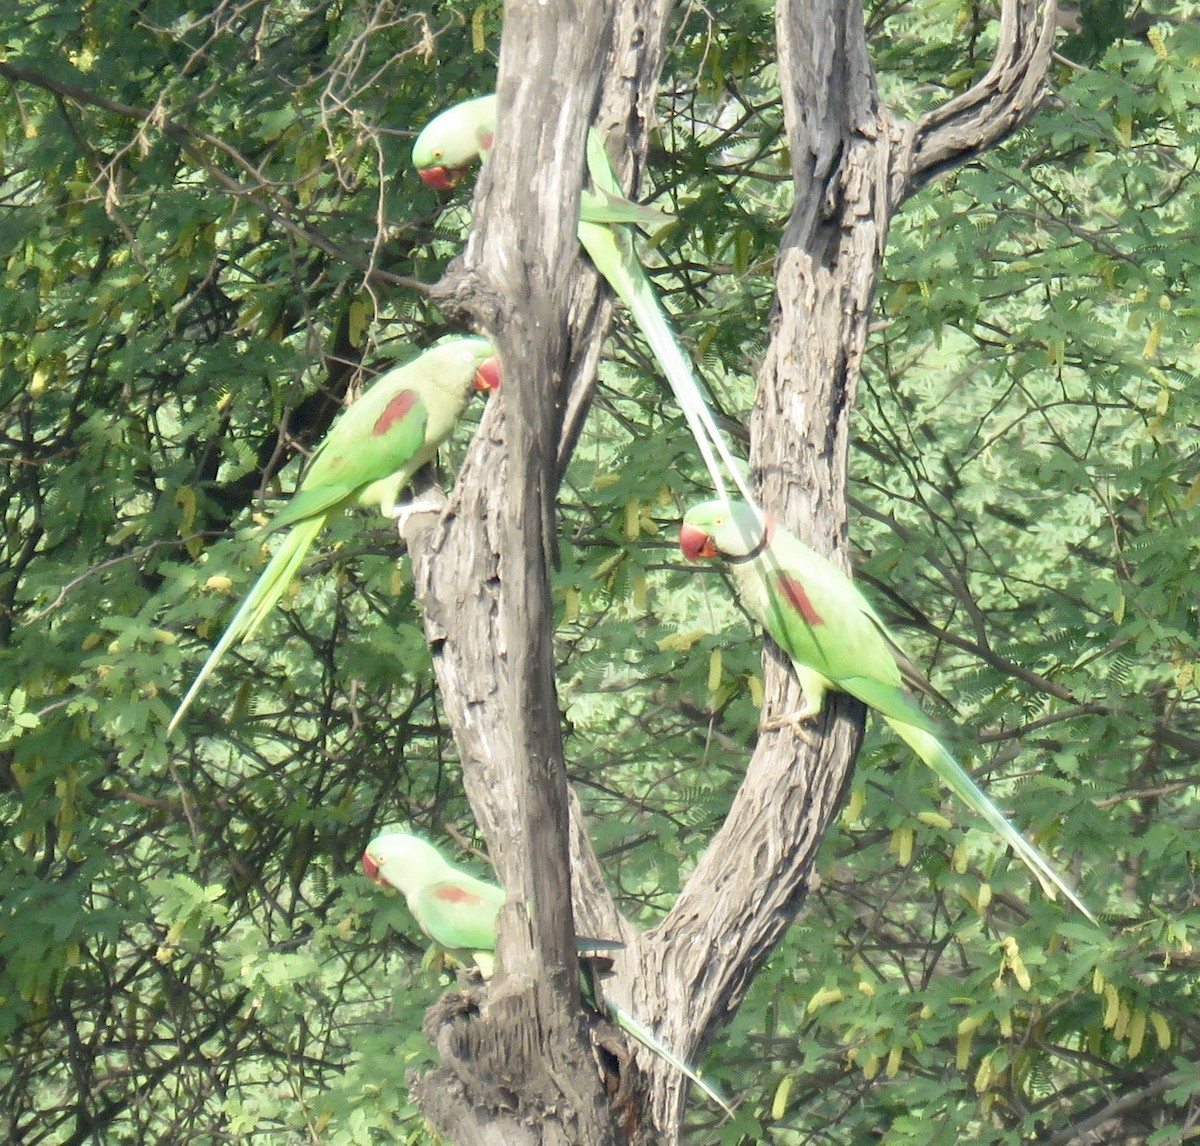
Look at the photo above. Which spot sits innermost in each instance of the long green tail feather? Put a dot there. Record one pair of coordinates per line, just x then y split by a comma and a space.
603, 207
611, 250
650, 1041
935, 754
629, 282
261, 599
604, 201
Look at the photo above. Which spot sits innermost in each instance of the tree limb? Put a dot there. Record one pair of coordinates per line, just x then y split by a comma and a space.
989, 111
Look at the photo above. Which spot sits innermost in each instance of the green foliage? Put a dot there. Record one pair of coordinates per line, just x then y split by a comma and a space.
195, 250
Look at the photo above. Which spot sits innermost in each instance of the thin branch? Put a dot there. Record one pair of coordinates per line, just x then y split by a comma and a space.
1114, 1109
99, 567
261, 191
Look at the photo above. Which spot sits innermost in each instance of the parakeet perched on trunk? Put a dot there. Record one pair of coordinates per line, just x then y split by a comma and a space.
453, 140
836, 640
371, 452
458, 911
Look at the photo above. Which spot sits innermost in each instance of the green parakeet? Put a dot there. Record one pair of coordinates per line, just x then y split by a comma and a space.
448, 145
836, 640
458, 911
371, 452
454, 140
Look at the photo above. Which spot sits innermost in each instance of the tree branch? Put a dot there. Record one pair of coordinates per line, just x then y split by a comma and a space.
754, 876
1152, 1092
686, 976
996, 106
481, 572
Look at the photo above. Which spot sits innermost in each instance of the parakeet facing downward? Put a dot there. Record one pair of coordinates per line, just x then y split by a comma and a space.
455, 138
458, 912
836, 640
371, 452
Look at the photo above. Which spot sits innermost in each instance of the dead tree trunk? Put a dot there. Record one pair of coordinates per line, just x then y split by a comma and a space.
520, 1071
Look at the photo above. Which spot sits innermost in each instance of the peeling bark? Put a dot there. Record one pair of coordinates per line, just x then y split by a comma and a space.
520, 1061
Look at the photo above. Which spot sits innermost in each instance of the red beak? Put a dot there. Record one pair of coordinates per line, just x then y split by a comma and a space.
439, 178
487, 377
695, 543
371, 870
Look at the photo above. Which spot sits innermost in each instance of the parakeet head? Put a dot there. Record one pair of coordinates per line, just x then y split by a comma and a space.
459, 361
402, 861
721, 529
450, 142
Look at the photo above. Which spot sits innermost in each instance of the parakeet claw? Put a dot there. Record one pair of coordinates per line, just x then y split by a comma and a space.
400, 514
798, 720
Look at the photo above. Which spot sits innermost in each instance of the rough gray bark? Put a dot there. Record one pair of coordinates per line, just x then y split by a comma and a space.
480, 567
528, 1042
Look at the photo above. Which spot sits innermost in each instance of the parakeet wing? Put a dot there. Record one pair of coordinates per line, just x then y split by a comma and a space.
372, 439
459, 913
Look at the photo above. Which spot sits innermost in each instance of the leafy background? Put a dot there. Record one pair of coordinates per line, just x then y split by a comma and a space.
207, 228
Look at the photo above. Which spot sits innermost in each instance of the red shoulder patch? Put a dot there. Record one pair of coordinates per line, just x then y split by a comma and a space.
448, 893
486, 140
395, 411
796, 596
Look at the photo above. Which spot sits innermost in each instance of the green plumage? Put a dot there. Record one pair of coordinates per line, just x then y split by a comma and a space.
456, 137
460, 134
371, 452
835, 639
458, 912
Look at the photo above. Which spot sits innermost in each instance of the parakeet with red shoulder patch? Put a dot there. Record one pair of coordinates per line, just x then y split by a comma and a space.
458, 912
369, 455
836, 640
